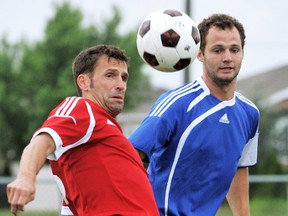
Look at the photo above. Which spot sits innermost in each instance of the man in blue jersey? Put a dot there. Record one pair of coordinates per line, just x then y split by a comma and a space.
200, 138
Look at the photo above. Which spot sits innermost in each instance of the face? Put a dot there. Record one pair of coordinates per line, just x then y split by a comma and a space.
107, 85
222, 57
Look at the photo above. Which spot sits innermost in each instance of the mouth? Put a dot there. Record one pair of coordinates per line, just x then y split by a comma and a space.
118, 98
226, 69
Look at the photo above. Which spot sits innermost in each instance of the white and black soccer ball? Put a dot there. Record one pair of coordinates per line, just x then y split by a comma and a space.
168, 40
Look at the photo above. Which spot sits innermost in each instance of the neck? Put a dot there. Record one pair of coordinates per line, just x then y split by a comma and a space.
222, 91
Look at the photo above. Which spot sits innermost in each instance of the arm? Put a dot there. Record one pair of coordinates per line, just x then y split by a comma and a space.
22, 189
142, 155
238, 194
144, 158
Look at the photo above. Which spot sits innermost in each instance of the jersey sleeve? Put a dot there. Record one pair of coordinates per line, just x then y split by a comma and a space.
249, 155
70, 125
153, 133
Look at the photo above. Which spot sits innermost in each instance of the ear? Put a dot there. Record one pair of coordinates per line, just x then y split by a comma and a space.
200, 56
83, 81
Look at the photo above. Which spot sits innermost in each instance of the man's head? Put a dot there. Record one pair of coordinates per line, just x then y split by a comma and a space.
101, 75
86, 61
220, 21
221, 50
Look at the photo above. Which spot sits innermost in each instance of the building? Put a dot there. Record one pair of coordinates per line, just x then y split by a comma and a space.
270, 86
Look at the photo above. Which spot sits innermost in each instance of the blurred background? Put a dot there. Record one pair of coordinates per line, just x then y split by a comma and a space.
39, 40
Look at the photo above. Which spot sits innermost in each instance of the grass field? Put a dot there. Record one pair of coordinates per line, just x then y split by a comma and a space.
7, 213
259, 207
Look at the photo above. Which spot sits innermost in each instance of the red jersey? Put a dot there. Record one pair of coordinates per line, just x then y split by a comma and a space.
98, 170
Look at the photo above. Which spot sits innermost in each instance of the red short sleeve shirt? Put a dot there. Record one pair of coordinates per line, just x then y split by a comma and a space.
97, 169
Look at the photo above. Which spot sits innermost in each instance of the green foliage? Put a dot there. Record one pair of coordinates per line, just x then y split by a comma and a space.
35, 77
268, 156
11, 112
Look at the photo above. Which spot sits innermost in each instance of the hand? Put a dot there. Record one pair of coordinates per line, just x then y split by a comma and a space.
19, 193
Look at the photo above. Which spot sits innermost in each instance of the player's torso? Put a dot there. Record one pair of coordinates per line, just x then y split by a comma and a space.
97, 171
207, 142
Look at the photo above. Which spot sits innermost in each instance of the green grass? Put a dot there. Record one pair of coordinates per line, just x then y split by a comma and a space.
7, 213
261, 207
258, 207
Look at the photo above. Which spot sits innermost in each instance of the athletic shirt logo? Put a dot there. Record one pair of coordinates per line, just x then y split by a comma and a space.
224, 119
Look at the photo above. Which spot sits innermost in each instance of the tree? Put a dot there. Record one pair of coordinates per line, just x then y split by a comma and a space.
42, 74
268, 160
11, 112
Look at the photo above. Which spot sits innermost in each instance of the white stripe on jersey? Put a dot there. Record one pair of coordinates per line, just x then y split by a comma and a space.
183, 139
57, 139
66, 108
72, 106
66, 105
244, 99
197, 100
171, 98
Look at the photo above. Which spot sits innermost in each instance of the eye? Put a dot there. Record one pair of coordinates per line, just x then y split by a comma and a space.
217, 50
125, 77
110, 75
235, 50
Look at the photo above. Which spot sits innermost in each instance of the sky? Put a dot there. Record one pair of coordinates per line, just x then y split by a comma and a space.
265, 24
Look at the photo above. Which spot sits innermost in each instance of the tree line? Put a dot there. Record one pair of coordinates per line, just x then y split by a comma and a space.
35, 77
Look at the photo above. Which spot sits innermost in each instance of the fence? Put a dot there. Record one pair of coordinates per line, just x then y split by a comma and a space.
256, 179
48, 198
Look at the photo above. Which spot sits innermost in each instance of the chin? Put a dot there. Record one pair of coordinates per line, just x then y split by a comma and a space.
224, 81
116, 111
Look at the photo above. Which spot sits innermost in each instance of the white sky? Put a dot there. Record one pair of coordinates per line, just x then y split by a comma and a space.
265, 23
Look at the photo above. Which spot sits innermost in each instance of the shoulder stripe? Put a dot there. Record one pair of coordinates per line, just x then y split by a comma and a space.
57, 139
245, 100
66, 108
175, 95
62, 110
72, 106
197, 100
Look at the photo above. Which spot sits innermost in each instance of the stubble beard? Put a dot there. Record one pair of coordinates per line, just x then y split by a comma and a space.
222, 82
114, 109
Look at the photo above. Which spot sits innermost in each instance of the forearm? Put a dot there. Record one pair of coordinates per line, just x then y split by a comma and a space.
238, 194
32, 160
22, 189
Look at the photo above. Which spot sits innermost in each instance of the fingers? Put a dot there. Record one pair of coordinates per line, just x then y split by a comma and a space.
14, 200
18, 195
15, 208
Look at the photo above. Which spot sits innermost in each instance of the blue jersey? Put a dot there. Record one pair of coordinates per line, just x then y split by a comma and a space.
195, 143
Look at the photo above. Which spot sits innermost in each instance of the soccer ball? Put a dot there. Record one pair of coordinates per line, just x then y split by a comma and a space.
168, 40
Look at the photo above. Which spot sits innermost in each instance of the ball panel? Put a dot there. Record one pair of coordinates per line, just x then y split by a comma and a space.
172, 13
195, 35
160, 24
144, 28
148, 43
150, 59
182, 63
186, 48
170, 38
171, 58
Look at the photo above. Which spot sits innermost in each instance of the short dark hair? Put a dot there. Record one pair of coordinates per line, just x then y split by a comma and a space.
86, 61
221, 21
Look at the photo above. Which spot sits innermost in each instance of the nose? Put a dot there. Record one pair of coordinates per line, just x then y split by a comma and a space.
227, 56
121, 84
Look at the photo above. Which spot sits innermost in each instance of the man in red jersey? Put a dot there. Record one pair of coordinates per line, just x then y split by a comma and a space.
96, 168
